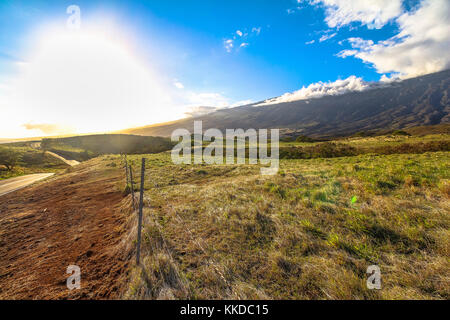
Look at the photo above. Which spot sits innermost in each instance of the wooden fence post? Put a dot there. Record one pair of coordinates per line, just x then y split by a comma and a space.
141, 205
126, 168
132, 187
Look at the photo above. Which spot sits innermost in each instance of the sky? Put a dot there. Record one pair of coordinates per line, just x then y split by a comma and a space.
121, 64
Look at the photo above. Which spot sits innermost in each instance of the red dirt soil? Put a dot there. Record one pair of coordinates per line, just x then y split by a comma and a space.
72, 219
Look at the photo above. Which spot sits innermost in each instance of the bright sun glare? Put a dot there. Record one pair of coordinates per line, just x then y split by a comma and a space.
88, 82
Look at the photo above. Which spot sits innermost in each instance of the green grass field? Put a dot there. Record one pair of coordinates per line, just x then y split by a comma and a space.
310, 232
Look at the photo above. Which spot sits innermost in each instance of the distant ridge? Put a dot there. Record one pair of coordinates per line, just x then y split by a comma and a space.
421, 101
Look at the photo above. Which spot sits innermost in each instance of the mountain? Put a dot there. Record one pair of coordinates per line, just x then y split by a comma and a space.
420, 101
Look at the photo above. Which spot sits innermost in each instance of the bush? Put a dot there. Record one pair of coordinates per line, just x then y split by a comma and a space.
417, 148
302, 138
333, 150
287, 139
400, 133
363, 134
321, 150
9, 158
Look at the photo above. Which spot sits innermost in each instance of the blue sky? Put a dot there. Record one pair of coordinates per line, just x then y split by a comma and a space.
286, 44
188, 37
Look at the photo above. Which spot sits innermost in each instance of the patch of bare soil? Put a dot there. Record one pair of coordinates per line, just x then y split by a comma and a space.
72, 219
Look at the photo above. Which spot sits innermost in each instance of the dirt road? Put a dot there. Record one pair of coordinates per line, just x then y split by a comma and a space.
74, 219
13, 184
69, 162
37, 145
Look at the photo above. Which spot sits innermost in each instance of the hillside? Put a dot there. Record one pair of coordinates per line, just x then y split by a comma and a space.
420, 101
89, 146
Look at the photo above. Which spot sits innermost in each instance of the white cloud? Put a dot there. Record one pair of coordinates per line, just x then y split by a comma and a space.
360, 43
310, 42
240, 39
422, 46
392, 78
204, 103
321, 89
326, 37
209, 99
228, 44
196, 111
200, 111
241, 103
373, 13
178, 84
48, 128
347, 53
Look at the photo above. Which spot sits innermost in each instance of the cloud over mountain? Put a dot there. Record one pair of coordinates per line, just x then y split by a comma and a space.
200, 111
321, 89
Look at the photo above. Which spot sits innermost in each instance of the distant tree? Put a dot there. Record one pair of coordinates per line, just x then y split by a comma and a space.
363, 134
9, 158
400, 133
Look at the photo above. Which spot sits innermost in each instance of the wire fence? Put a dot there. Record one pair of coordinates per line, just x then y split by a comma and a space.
130, 186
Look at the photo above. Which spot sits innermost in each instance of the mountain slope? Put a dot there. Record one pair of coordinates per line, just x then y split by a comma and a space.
414, 102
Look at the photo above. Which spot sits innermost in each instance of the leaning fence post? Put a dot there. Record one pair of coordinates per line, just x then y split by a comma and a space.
132, 187
141, 205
